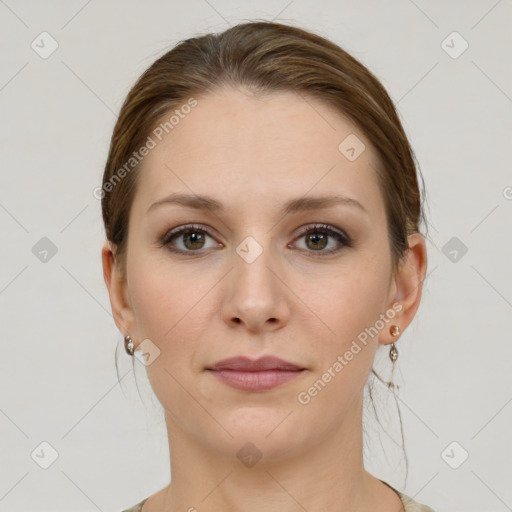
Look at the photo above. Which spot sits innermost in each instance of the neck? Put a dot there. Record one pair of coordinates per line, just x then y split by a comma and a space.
326, 476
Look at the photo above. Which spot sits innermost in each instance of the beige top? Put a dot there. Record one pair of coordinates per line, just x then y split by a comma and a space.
409, 504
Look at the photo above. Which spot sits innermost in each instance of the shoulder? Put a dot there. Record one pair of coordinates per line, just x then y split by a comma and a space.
413, 506
409, 504
135, 508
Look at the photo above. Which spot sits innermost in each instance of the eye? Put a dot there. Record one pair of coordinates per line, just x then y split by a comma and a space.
317, 239
193, 239
189, 238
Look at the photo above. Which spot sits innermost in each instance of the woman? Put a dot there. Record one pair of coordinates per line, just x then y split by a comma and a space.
262, 211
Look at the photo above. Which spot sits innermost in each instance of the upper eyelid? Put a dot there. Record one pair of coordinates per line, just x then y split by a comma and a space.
320, 226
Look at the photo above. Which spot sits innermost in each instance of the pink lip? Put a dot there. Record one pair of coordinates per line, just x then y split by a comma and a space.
255, 375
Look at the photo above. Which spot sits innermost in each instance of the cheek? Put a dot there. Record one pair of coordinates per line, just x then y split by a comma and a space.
353, 300
168, 313
163, 294
344, 360
173, 308
350, 308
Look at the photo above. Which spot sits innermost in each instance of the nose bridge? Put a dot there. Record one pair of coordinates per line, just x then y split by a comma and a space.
255, 294
252, 260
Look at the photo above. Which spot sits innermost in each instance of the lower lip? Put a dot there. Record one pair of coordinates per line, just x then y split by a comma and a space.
255, 381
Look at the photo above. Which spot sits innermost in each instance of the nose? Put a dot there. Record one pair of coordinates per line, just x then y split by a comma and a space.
256, 296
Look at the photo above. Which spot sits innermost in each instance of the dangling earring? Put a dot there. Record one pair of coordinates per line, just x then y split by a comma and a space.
394, 330
128, 345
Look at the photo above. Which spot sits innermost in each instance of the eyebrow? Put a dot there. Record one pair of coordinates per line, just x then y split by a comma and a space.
200, 202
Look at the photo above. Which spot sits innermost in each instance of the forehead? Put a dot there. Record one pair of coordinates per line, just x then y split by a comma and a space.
239, 146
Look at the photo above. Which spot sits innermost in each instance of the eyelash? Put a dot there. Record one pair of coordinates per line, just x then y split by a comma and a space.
323, 229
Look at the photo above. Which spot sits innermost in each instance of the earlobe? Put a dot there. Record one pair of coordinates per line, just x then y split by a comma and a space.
116, 286
408, 284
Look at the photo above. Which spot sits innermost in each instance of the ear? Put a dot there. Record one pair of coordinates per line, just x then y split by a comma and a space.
407, 287
122, 310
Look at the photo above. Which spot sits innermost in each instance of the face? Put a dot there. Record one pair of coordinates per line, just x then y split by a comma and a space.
254, 278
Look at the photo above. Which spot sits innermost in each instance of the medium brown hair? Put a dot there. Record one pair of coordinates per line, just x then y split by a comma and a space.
264, 56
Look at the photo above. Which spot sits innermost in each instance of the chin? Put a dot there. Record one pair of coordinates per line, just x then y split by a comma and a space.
258, 432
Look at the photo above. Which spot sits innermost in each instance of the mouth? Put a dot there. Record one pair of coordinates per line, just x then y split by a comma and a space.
257, 375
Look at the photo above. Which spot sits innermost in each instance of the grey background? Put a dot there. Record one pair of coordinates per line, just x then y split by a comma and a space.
58, 380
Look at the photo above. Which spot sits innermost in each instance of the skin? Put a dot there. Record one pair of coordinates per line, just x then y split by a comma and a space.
254, 154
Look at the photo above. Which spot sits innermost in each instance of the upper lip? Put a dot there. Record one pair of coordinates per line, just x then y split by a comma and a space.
242, 363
